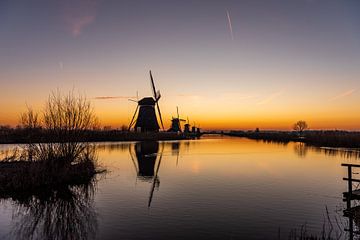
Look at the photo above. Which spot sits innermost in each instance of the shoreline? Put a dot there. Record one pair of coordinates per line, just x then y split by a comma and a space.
101, 136
323, 139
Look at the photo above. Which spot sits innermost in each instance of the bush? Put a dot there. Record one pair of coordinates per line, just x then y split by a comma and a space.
65, 121
61, 157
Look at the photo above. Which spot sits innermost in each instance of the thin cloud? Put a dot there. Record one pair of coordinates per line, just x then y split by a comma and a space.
113, 97
230, 24
246, 97
237, 96
77, 24
342, 95
270, 98
78, 14
187, 95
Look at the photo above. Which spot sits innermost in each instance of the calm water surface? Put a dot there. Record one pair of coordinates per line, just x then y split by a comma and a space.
212, 188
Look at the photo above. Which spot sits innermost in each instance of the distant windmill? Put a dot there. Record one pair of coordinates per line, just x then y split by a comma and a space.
187, 126
146, 120
176, 122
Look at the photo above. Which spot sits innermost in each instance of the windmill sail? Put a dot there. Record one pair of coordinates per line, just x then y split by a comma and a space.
157, 96
153, 85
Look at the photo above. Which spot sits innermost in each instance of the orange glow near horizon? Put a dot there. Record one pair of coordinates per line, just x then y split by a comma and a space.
240, 112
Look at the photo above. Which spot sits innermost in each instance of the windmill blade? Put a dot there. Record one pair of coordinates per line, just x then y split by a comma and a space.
132, 100
155, 178
153, 85
158, 95
132, 120
177, 111
158, 108
183, 120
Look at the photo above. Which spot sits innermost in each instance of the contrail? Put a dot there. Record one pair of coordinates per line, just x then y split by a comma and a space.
344, 94
270, 98
230, 25
112, 97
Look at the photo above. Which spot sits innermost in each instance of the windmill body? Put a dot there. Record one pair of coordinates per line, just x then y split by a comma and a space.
175, 125
146, 120
187, 128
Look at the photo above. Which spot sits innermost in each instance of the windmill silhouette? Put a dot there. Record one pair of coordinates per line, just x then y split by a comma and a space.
176, 122
146, 120
187, 126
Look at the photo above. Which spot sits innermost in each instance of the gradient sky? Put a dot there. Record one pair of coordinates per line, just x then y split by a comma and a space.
226, 64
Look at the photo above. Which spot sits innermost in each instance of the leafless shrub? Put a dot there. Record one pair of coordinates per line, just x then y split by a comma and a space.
64, 122
59, 156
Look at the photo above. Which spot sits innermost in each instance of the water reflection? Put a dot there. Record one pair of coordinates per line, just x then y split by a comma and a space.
301, 149
67, 213
147, 164
114, 146
175, 151
216, 192
344, 153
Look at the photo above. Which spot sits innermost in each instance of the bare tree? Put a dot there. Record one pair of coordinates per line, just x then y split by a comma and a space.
300, 126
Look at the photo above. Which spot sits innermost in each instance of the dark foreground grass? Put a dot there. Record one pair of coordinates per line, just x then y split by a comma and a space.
332, 228
22, 178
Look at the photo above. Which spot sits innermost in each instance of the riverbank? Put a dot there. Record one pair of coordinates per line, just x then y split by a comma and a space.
15, 136
334, 139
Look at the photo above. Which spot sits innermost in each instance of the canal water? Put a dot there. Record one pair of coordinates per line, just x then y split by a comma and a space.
212, 188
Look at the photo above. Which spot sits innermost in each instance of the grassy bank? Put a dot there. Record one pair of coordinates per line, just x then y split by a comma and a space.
336, 139
23, 178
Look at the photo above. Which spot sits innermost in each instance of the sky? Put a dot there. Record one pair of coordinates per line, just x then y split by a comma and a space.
237, 64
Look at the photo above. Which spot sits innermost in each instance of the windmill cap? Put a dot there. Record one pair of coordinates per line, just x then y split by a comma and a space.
147, 101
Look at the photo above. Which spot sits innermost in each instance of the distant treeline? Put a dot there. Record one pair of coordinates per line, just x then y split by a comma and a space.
342, 139
20, 135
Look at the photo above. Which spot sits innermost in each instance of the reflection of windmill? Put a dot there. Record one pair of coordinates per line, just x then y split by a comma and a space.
175, 150
146, 120
176, 122
146, 154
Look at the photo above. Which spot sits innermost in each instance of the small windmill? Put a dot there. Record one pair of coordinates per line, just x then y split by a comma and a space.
187, 126
176, 122
146, 120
